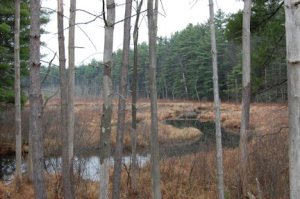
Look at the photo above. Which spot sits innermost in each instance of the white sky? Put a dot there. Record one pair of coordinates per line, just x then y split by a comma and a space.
178, 15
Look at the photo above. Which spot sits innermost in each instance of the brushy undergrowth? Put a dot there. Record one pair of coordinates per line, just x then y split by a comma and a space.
182, 177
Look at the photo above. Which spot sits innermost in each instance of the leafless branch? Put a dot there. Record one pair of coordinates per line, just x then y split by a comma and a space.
103, 11
48, 98
275, 133
162, 7
87, 22
129, 17
77, 24
87, 12
48, 69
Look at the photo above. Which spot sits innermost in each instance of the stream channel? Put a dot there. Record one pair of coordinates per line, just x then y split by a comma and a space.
88, 166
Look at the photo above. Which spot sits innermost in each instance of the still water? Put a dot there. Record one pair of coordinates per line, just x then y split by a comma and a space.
86, 167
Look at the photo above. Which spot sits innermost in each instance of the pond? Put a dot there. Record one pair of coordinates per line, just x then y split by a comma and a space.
204, 143
87, 167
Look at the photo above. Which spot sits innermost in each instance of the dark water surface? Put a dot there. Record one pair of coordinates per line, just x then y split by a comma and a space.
204, 143
88, 166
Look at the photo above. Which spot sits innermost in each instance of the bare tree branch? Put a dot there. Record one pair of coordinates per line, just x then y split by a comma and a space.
48, 69
270, 134
48, 98
103, 11
162, 7
129, 17
77, 24
87, 12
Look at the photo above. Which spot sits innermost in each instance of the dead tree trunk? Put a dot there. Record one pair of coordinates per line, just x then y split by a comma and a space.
105, 130
35, 100
246, 93
292, 27
219, 156
18, 97
70, 106
66, 175
134, 97
152, 31
122, 102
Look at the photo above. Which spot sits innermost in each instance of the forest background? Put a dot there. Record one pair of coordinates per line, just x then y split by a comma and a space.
183, 60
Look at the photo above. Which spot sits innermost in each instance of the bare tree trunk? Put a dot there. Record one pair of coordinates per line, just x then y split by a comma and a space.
166, 89
122, 102
18, 97
29, 162
134, 98
185, 86
184, 79
292, 27
71, 85
196, 90
66, 175
152, 31
35, 100
246, 92
219, 155
236, 90
107, 97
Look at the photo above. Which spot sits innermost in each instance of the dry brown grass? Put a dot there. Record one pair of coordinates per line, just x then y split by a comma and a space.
83, 189
169, 132
193, 175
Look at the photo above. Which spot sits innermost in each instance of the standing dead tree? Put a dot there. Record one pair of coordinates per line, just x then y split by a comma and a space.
105, 130
66, 164
71, 95
152, 31
219, 156
246, 94
292, 27
35, 100
18, 97
122, 102
134, 97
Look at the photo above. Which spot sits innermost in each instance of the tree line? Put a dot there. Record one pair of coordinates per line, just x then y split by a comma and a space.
178, 68
184, 61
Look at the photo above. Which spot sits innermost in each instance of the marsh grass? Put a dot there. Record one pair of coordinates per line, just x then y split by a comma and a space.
183, 177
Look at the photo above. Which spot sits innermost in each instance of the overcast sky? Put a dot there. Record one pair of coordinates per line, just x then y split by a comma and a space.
90, 37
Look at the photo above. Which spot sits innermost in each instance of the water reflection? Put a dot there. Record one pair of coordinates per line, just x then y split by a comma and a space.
8, 167
86, 167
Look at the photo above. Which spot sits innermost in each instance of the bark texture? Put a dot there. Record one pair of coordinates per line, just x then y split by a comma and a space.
134, 165
35, 100
122, 102
246, 92
152, 31
18, 97
105, 130
71, 96
292, 26
66, 172
219, 155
